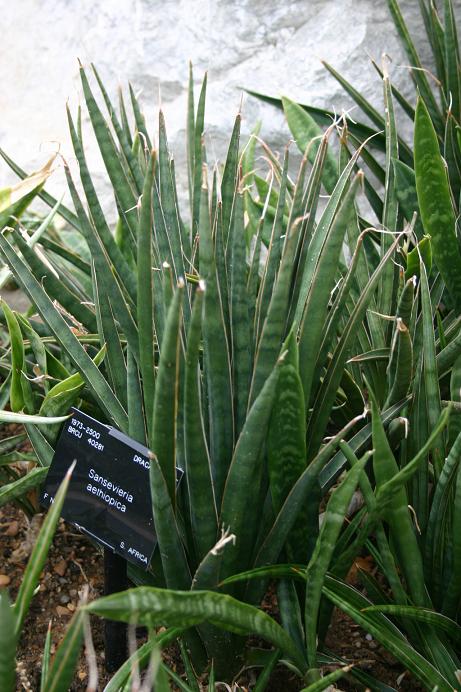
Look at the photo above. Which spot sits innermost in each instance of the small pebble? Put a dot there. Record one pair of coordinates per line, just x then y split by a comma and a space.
60, 567
4, 580
62, 580
372, 645
368, 637
13, 529
355, 634
358, 644
62, 611
64, 599
73, 593
71, 607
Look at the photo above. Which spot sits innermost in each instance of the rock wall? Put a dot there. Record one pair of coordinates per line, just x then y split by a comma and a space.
273, 47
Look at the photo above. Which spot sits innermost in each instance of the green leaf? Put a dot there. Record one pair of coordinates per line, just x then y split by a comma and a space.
18, 488
8, 640
151, 607
62, 668
328, 680
430, 617
434, 199
165, 412
240, 513
145, 316
202, 503
318, 565
307, 133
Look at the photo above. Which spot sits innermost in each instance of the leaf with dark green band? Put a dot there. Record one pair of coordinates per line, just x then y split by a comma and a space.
166, 395
434, 199
203, 514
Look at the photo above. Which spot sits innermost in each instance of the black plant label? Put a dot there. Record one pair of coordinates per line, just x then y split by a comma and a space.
109, 493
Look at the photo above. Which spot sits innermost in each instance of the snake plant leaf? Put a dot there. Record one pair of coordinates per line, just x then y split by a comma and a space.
317, 243
239, 314
46, 658
397, 515
435, 203
430, 375
196, 166
418, 73
202, 504
37, 346
422, 252
109, 335
42, 448
8, 643
123, 187
286, 442
307, 135
390, 211
122, 134
229, 184
169, 206
318, 565
452, 59
39, 553
165, 409
23, 418
438, 620
20, 389
139, 120
62, 668
136, 420
174, 562
405, 189
239, 511
397, 95
326, 682
15, 489
322, 281
144, 292
216, 359
275, 248
401, 359
152, 606
275, 322
107, 279
99, 225
452, 595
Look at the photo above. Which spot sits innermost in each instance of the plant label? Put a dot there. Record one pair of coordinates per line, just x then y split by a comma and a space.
109, 493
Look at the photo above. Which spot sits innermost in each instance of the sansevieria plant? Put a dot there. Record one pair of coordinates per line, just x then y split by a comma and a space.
245, 345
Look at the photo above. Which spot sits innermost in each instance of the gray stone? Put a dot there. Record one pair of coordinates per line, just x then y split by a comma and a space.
272, 47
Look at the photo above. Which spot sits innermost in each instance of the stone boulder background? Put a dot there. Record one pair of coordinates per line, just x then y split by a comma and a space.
272, 47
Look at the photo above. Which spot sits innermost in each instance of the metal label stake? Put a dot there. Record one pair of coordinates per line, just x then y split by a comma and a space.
115, 633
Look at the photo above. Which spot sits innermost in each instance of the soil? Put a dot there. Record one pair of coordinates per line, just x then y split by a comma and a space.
75, 563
